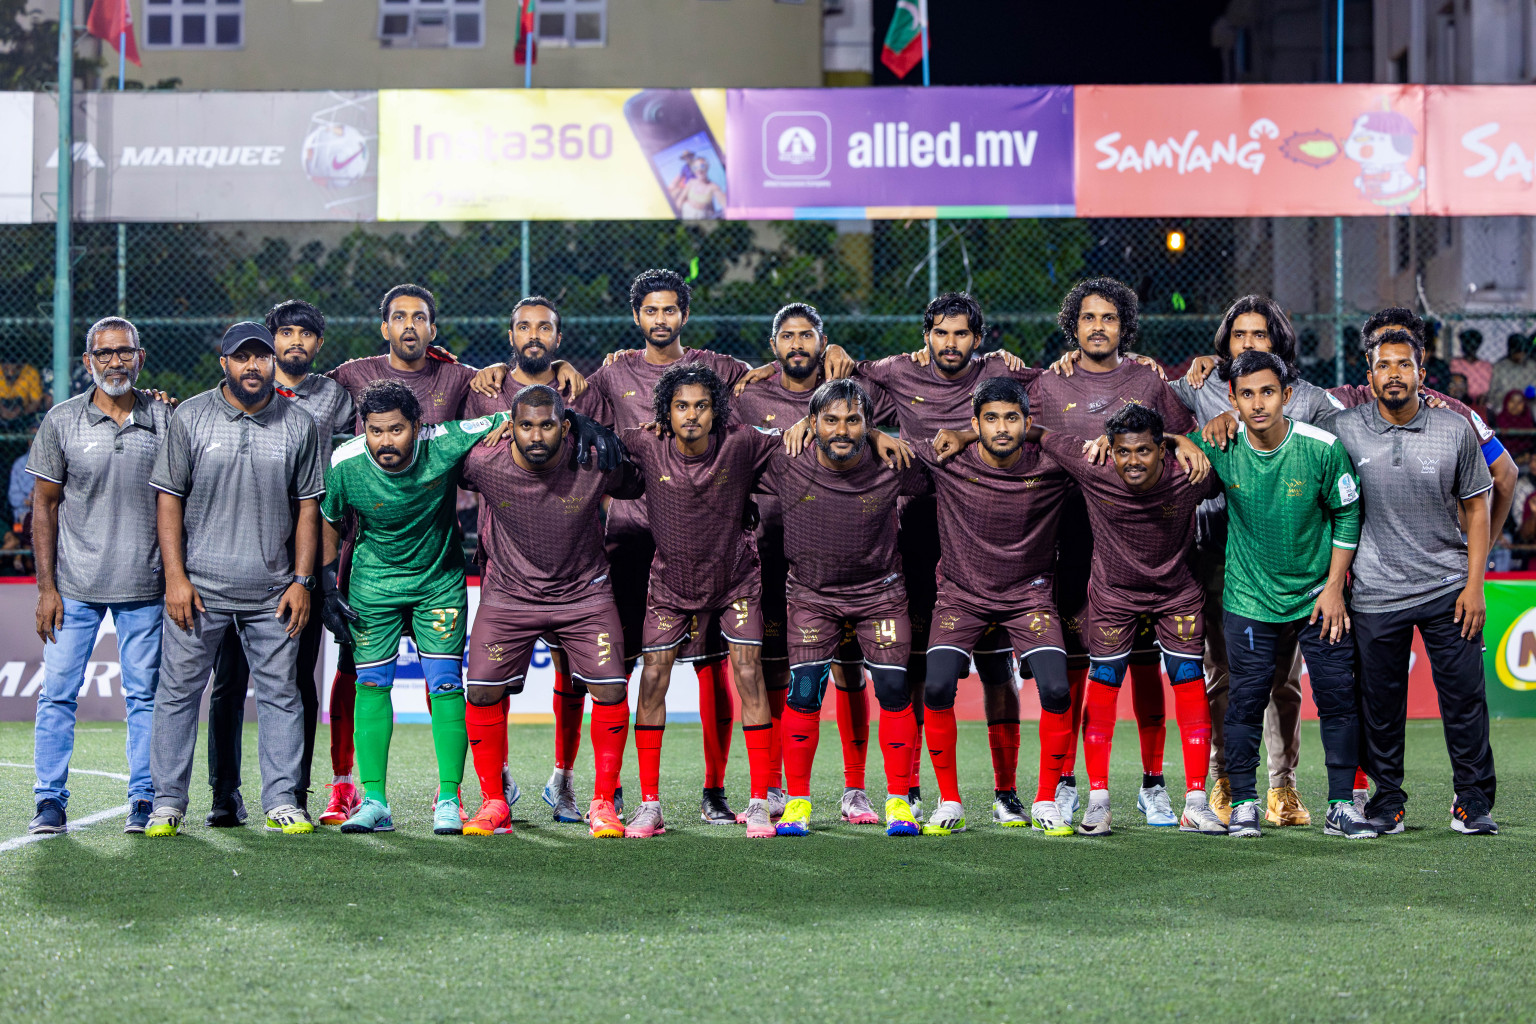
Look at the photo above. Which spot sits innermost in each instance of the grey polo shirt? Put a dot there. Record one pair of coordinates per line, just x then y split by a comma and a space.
108, 552
327, 402
1411, 478
240, 476
1309, 404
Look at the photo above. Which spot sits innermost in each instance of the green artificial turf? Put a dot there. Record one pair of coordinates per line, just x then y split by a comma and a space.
703, 924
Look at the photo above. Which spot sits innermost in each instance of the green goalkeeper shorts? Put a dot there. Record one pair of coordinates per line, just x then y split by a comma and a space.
437, 611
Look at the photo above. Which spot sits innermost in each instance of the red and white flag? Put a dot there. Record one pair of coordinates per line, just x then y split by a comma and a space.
111, 20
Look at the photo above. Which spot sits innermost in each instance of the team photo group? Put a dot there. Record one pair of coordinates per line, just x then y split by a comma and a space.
1091, 526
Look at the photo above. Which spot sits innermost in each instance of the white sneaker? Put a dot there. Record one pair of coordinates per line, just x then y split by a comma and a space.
947, 819
1198, 816
560, 794
1360, 798
1154, 803
1045, 816
1007, 811
856, 809
778, 799
511, 792
1096, 818
1066, 800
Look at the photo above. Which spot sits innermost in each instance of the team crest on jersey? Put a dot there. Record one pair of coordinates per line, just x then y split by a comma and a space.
1295, 488
721, 476
870, 503
1170, 510
571, 504
1110, 632
495, 652
810, 634
949, 622
664, 623
1429, 465
1031, 482
438, 398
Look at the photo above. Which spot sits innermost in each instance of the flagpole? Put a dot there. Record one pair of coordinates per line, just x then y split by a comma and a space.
62, 292
933, 223
527, 84
122, 229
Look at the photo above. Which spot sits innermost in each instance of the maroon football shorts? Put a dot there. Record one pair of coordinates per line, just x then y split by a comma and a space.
961, 625
588, 631
820, 628
1118, 623
739, 620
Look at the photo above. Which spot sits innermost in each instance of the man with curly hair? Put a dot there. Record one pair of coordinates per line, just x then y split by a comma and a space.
1099, 317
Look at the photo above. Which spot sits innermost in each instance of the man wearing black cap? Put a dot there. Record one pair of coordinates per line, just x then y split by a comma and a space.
237, 461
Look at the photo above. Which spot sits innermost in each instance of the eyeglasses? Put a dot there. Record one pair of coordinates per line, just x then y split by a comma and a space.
106, 355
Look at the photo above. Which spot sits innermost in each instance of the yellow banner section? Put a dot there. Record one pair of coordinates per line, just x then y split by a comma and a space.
551, 154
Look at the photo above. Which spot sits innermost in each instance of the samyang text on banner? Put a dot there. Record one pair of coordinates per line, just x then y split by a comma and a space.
1481, 150
552, 154
1250, 150
857, 153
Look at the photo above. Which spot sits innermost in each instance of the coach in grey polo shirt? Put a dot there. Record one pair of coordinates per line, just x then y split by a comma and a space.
240, 478
93, 530
1419, 467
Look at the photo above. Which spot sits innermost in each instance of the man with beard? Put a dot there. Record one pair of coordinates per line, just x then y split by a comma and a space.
534, 335
839, 517
1420, 468
398, 481
93, 531
298, 330
236, 463
659, 305
552, 583
930, 395
797, 341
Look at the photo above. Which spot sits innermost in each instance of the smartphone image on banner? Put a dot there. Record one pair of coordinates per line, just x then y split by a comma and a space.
682, 151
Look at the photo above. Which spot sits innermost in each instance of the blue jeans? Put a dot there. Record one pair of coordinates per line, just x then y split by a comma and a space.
64, 662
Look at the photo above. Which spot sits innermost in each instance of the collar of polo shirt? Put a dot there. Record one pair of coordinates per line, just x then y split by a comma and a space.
1381, 424
234, 412
140, 416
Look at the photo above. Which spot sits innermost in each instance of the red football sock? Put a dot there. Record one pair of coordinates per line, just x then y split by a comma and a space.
853, 730
609, 731
800, 732
1055, 734
716, 719
942, 733
1194, 714
568, 709
1099, 731
487, 727
1077, 681
759, 741
648, 750
776, 744
343, 696
1003, 737
898, 733
1151, 715
1361, 782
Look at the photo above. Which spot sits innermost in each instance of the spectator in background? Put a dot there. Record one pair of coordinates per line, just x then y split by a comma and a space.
1477, 371
1514, 423
1457, 388
1437, 372
20, 492
21, 390
1515, 372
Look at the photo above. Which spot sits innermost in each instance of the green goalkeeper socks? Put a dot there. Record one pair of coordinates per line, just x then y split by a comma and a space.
450, 738
373, 720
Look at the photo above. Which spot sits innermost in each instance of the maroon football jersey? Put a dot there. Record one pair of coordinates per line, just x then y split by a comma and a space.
769, 404
623, 392
924, 402
1141, 540
441, 387
556, 516
840, 527
695, 506
1080, 404
997, 527
589, 404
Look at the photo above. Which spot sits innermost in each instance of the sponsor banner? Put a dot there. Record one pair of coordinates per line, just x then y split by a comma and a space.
1250, 150
16, 110
857, 153
1509, 656
552, 154
212, 156
1481, 150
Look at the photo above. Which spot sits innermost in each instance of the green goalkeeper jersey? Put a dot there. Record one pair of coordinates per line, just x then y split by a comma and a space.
408, 530
1288, 509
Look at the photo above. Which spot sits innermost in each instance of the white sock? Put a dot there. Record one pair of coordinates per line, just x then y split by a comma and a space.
1196, 797
1098, 796
342, 780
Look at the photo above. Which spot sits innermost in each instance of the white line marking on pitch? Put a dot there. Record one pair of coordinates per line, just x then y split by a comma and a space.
77, 824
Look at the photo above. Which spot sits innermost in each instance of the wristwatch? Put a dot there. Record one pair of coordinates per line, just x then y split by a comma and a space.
307, 582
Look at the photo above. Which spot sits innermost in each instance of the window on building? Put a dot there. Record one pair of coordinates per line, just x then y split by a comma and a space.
429, 23
194, 24
573, 22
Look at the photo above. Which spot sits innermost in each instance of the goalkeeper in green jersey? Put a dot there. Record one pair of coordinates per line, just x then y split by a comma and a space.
400, 480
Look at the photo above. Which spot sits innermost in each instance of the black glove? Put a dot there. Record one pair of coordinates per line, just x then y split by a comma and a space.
591, 434
335, 612
751, 517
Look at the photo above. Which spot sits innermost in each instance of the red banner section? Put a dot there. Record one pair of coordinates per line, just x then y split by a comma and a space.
1250, 150
1482, 149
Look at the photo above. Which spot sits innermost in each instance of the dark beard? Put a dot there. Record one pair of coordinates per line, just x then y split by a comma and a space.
238, 390
999, 455
826, 449
533, 366
536, 456
800, 372
1397, 403
295, 367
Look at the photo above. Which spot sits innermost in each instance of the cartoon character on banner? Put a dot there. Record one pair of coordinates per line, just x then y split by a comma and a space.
1382, 143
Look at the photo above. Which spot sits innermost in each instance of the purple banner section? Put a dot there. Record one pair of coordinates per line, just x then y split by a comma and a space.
880, 151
